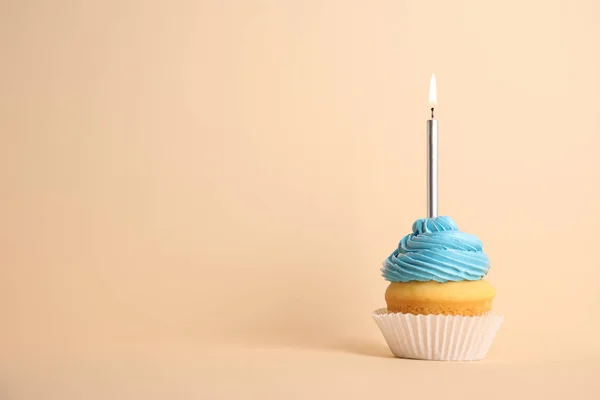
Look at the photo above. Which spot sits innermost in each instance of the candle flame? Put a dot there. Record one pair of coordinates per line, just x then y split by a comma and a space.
432, 92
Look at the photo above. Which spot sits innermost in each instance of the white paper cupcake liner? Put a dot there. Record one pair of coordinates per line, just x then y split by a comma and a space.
438, 337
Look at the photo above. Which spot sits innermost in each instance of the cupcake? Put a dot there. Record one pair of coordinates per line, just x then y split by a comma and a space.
439, 307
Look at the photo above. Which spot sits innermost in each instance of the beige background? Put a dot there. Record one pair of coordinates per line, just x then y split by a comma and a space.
197, 196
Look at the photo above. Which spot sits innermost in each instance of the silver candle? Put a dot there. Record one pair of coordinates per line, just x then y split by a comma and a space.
432, 154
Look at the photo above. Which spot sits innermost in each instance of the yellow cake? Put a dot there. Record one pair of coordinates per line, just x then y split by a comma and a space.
448, 298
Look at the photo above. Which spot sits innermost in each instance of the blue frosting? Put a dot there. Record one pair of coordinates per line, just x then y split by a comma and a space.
436, 251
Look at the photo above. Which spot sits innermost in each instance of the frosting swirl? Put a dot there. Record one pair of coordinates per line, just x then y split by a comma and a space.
436, 251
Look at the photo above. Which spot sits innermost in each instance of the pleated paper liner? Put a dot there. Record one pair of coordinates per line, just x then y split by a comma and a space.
438, 337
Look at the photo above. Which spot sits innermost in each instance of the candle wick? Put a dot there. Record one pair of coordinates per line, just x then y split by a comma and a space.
432, 113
